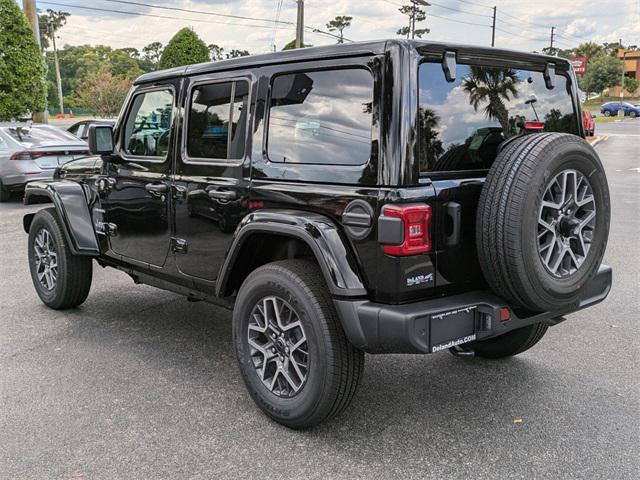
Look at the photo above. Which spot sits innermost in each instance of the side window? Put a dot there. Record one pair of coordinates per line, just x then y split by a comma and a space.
216, 127
74, 129
321, 117
146, 133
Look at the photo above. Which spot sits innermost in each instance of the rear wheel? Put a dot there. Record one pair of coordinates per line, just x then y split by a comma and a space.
294, 357
633, 114
61, 279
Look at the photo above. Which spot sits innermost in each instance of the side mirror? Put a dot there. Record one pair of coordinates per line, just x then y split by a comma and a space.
100, 139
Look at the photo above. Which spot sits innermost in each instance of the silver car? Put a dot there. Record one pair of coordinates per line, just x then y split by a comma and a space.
33, 152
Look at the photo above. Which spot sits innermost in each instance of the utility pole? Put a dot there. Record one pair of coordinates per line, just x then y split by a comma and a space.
52, 32
551, 44
31, 12
300, 25
621, 111
493, 29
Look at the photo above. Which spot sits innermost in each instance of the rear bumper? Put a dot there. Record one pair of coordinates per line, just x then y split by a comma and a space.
434, 325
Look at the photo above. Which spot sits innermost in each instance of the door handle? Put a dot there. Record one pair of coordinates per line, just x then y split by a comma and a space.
222, 194
156, 188
454, 212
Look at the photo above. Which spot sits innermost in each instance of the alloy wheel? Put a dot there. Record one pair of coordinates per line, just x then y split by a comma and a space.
278, 346
566, 223
46, 259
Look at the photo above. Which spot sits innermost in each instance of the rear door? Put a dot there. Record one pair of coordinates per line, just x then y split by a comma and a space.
461, 125
211, 181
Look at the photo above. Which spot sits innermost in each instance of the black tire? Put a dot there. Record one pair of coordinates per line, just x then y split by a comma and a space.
74, 272
607, 113
507, 220
509, 344
633, 114
5, 194
334, 365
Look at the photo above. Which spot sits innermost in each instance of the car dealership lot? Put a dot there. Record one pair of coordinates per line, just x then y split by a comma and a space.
139, 383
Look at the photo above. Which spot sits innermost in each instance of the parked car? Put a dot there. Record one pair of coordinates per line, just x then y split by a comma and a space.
81, 129
588, 125
33, 152
612, 108
366, 197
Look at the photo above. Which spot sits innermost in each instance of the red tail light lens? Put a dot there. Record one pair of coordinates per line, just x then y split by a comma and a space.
416, 218
21, 156
534, 125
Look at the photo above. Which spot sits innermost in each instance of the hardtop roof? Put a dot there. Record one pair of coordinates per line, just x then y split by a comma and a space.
351, 49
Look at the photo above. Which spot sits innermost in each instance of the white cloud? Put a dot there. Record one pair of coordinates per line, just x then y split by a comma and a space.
605, 20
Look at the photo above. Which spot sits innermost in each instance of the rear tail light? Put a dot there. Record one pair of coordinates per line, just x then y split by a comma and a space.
21, 156
29, 155
534, 125
415, 219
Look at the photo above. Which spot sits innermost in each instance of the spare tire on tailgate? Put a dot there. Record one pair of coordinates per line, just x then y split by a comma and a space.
543, 220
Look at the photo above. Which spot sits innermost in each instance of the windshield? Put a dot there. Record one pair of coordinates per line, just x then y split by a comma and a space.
462, 123
38, 136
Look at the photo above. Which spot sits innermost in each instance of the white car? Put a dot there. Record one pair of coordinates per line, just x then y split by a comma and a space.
33, 152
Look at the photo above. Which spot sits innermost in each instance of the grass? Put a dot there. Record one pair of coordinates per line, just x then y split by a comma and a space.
602, 119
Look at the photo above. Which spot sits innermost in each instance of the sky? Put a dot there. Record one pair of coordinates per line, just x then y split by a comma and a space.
521, 24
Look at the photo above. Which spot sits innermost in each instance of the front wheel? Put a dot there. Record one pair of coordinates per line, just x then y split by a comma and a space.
632, 114
61, 279
607, 113
294, 357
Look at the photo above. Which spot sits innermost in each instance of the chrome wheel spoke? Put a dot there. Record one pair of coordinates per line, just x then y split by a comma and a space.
278, 346
45, 259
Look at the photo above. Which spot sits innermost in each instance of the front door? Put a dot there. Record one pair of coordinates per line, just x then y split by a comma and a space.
138, 195
211, 182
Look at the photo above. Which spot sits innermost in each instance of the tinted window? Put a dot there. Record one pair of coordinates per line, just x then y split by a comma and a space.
36, 136
321, 117
462, 123
146, 133
217, 121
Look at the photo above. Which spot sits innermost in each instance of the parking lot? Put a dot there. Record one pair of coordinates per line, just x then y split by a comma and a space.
140, 383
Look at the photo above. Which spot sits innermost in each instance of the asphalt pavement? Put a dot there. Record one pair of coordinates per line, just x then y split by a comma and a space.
138, 383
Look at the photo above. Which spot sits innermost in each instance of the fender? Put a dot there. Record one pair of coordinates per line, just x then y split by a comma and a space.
70, 201
337, 263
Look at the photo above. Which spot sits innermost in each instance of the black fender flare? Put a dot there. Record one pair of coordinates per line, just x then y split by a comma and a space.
336, 261
71, 204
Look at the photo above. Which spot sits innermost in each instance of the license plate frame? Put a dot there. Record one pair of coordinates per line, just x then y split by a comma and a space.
454, 327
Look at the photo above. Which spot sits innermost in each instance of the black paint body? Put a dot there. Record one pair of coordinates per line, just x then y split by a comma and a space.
209, 224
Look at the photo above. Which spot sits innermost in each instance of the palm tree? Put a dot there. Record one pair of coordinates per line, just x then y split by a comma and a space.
494, 86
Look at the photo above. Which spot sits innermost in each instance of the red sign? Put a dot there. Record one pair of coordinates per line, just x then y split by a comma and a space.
579, 64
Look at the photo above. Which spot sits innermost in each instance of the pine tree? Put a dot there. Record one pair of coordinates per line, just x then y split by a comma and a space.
184, 48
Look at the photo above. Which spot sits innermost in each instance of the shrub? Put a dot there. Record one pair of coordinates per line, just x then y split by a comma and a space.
22, 68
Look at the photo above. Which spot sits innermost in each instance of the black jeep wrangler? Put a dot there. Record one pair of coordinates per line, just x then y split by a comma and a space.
382, 197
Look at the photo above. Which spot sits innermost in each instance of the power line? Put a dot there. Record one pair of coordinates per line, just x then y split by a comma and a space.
200, 12
124, 12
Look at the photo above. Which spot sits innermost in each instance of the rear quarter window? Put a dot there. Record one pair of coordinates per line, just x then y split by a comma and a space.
321, 117
462, 123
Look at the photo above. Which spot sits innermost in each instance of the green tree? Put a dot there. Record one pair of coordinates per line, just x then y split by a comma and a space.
237, 53
22, 70
151, 56
631, 84
292, 45
602, 72
216, 52
339, 23
103, 93
184, 48
416, 15
492, 85
589, 50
